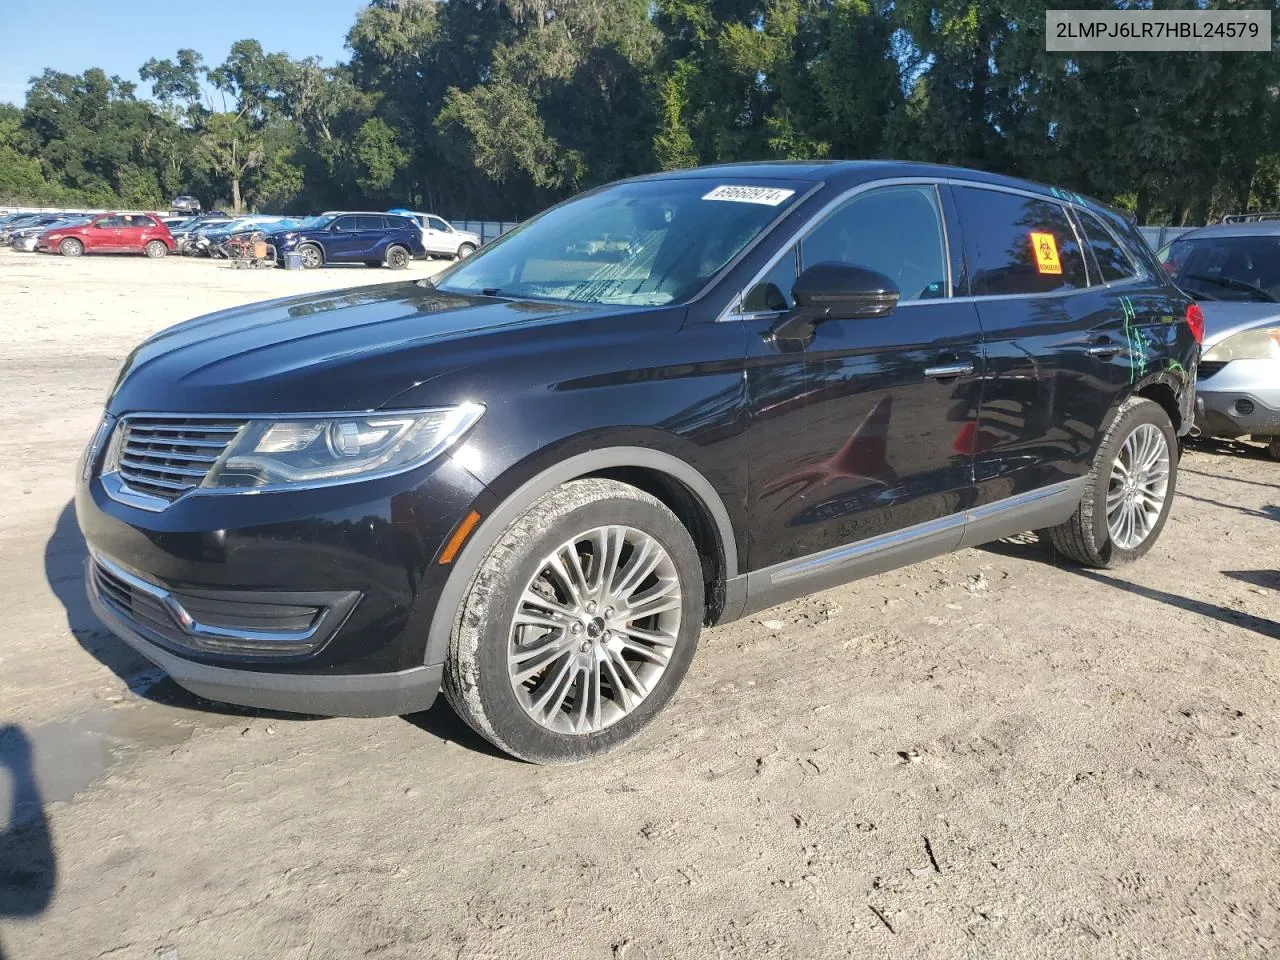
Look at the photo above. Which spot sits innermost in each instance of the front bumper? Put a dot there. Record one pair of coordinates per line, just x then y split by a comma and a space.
357, 563
26, 244
1241, 398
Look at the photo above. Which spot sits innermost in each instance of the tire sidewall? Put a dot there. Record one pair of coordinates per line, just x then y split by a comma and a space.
491, 606
465, 250
319, 256
400, 254
1146, 412
152, 247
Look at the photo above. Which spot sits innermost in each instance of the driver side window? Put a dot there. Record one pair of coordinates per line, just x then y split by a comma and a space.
895, 230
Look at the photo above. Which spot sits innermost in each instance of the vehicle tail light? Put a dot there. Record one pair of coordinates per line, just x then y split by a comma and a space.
1195, 322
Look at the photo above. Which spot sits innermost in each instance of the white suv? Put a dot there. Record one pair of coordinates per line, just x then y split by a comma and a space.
441, 238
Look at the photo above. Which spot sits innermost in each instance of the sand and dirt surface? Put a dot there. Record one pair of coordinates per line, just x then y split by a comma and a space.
989, 755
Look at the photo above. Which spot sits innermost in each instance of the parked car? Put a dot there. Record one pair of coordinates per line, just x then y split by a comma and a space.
110, 233
27, 220
184, 237
26, 238
532, 479
373, 239
440, 238
185, 204
1233, 271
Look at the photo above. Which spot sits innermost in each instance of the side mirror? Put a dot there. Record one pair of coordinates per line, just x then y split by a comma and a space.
840, 291
833, 291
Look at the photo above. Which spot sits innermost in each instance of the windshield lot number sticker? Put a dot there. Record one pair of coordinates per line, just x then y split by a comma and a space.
1045, 249
769, 196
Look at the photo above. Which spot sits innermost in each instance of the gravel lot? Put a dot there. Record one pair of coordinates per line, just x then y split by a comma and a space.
989, 755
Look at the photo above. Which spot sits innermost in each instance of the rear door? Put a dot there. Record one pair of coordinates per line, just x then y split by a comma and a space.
863, 430
1048, 340
372, 231
133, 231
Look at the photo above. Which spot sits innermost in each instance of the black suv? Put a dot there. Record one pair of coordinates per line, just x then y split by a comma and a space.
534, 480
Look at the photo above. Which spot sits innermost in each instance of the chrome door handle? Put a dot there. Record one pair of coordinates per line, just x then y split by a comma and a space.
1107, 349
946, 371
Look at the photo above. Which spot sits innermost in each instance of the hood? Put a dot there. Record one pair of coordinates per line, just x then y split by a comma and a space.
1224, 318
354, 349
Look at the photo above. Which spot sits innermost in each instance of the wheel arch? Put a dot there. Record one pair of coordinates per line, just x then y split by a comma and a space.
680, 486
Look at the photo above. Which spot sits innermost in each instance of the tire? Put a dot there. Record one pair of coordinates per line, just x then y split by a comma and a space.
398, 257
312, 256
1273, 448
516, 576
71, 247
1097, 535
465, 250
155, 249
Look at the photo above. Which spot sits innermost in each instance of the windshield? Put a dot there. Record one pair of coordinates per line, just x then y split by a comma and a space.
317, 223
652, 242
1226, 268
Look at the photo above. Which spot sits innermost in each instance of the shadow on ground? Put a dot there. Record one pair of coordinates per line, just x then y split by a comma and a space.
28, 863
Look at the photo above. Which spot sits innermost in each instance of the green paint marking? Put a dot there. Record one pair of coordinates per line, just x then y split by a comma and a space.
1135, 357
1176, 366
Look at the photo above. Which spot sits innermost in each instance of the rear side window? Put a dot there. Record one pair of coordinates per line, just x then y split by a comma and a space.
896, 231
345, 224
1016, 244
1113, 262
370, 223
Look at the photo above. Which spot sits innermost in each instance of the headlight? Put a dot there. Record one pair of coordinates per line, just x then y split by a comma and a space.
334, 449
1260, 344
53, 236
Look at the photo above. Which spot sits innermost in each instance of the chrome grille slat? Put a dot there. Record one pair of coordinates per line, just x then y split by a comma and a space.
168, 456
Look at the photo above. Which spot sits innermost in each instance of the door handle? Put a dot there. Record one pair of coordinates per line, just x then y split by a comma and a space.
1104, 347
947, 371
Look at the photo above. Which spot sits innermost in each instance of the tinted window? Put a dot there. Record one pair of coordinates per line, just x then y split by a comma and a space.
1016, 244
110, 222
435, 223
1113, 263
346, 224
371, 223
897, 231
773, 292
1226, 268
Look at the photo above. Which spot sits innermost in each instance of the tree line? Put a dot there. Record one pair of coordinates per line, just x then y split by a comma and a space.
497, 108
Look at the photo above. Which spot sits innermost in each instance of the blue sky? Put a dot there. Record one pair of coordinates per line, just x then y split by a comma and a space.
120, 35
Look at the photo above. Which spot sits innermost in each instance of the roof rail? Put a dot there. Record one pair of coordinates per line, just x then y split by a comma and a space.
1251, 217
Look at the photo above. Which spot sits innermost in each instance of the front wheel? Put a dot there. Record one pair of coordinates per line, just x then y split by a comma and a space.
466, 250
155, 249
1273, 448
398, 258
312, 257
1130, 490
71, 247
579, 625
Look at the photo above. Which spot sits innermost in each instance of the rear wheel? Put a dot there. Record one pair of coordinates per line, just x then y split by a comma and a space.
1273, 448
579, 625
312, 256
398, 257
71, 247
155, 249
466, 250
1130, 490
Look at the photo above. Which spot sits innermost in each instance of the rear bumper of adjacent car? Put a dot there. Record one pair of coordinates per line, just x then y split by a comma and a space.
1241, 398
315, 601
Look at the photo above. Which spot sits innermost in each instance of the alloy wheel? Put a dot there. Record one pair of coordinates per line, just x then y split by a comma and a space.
1138, 486
310, 258
594, 630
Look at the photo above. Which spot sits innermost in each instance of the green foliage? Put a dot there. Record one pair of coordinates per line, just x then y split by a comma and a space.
496, 108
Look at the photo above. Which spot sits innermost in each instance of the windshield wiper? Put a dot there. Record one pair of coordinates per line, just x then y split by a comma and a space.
1231, 283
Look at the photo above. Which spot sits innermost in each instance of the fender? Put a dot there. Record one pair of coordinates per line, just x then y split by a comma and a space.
592, 461
1180, 384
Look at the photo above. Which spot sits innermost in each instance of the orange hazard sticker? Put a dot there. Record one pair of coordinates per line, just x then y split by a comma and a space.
1045, 249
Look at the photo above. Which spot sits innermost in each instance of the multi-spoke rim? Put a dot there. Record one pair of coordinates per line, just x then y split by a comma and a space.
1138, 487
595, 629
310, 257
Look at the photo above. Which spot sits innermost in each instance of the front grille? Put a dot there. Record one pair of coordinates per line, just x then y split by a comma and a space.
1207, 370
167, 456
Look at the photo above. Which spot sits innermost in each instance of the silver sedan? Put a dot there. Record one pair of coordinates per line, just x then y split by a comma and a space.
1233, 271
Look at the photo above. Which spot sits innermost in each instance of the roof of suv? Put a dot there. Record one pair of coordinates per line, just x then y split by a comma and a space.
852, 172
1256, 228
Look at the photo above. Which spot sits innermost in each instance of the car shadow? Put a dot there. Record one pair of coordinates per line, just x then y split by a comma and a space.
28, 861
1030, 546
1269, 512
441, 722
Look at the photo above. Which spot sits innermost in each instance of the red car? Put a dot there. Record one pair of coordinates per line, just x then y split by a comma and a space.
110, 233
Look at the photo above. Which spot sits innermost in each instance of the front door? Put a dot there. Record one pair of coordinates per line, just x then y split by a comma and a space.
103, 235
437, 238
866, 428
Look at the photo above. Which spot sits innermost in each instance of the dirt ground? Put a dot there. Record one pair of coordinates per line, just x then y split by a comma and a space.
989, 755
